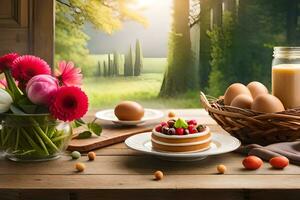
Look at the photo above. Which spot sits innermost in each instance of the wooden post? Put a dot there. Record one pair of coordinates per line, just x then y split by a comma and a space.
42, 27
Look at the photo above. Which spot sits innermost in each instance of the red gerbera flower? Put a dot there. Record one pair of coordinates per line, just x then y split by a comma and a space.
26, 67
7, 60
68, 74
69, 103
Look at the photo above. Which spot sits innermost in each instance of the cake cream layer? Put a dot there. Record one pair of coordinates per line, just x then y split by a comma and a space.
191, 148
182, 140
202, 141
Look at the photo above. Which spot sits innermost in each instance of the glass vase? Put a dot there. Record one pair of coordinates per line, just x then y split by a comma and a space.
36, 137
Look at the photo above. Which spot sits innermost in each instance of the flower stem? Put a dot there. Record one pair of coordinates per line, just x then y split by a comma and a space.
17, 139
32, 143
41, 142
44, 136
11, 84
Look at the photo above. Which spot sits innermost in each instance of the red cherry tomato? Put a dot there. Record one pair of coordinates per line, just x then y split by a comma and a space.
252, 162
279, 162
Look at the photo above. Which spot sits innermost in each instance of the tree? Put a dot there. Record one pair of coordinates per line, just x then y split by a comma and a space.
221, 58
99, 69
104, 15
181, 74
105, 71
110, 67
128, 66
138, 65
117, 63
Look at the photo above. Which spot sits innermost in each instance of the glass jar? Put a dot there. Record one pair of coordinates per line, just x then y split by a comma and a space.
36, 137
286, 76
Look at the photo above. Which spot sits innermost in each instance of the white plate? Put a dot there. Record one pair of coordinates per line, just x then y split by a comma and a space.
109, 115
221, 143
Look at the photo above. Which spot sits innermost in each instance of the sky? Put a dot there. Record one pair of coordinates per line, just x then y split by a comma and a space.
154, 38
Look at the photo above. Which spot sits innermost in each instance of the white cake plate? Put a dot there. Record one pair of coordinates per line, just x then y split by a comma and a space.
221, 143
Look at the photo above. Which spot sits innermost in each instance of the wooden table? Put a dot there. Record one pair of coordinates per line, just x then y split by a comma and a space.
119, 173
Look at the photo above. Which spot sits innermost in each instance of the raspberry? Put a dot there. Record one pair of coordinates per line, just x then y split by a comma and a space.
193, 131
192, 122
191, 127
158, 128
179, 131
164, 124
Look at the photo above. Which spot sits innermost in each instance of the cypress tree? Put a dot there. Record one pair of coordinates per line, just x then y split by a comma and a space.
110, 67
138, 65
105, 71
99, 69
117, 63
112, 71
128, 67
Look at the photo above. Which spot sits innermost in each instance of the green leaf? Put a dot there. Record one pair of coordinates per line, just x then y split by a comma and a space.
181, 123
16, 110
78, 122
84, 135
95, 128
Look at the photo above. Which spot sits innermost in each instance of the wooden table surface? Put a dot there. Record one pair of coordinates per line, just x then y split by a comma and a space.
120, 173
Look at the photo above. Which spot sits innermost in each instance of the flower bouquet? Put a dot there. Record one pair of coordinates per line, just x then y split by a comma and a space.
37, 109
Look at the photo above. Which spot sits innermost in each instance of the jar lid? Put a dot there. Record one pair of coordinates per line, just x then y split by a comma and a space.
286, 52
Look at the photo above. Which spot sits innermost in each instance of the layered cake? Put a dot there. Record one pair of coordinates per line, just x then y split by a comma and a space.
181, 136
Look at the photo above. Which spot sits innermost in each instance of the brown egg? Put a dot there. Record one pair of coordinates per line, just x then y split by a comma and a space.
257, 88
129, 111
233, 91
242, 101
267, 103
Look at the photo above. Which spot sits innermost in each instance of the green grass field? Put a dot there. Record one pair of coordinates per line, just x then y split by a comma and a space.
151, 65
107, 92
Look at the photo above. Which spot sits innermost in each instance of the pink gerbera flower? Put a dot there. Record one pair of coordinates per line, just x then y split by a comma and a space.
7, 60
69, 103
68, 74
26, 67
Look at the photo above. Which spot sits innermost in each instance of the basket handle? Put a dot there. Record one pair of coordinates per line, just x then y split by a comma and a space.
204, 101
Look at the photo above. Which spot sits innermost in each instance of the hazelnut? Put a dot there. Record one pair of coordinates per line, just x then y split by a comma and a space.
91, 155
80, 167
221, 169
158, 175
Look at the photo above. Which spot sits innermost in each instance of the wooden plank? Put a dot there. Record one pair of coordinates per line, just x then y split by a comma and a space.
159, 194
129, 182
134, 165
190, 194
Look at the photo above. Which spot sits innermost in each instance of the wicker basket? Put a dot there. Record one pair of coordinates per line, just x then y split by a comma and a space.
254, 127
